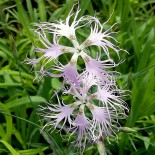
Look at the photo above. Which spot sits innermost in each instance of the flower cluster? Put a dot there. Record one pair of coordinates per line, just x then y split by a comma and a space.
98, 103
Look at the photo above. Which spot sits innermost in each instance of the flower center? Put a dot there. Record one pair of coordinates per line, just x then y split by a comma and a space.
78, 50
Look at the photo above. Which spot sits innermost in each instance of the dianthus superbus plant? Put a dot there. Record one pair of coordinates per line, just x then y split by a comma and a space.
97, 103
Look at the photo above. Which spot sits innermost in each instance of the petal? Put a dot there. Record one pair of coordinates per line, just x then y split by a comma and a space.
101, 119
70, 73
82, 123
100, 38
96, 68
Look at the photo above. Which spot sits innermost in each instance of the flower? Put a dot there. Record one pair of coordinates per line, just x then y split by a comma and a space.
52, 66
99, 37
97, 102
92, 114
82, 126
96, 69
109, 98
62, 28
101, 120
57, 113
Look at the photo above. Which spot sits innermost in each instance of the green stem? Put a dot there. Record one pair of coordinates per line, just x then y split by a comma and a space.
101, 147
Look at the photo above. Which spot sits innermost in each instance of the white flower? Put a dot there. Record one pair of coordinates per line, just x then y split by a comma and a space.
94, 112
97, 101
63, 28
101, 123
110, 96
51, 66
57, 113
100, 38
82, 126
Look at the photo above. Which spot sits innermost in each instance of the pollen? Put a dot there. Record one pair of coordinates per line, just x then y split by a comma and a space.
87, 59
87, 42
80, 111
90, 106
78, 50
64, 50
93, 96
72, 37
72, 62
85, 101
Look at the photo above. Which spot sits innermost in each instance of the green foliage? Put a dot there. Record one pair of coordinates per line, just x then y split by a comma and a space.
20, 94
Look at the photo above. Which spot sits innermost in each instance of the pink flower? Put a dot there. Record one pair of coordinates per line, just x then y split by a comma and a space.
100, 38
50, 53
57, 113
110, 96
97, 102
94, 112
102, 122
69, 71
82, 126
64, 28
96, 69
52, 50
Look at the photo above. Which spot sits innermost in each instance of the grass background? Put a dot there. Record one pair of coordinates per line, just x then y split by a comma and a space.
20, 95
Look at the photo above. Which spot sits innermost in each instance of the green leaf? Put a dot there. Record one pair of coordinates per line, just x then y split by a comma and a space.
3, 85
56, 84
9, 147
84, 6
2, 133
146, 142
52, 143
25, 100
17, 134
42, 10
146, 51
33, 151
16, 73
8, 121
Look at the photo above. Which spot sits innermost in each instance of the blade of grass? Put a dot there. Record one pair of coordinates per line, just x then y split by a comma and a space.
30, 10
9, 147
17, 134
2, 133
23, 18
8, 122
42, 10
25, 100
33, 151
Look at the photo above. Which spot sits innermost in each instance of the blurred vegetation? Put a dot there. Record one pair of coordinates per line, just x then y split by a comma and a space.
20, 94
